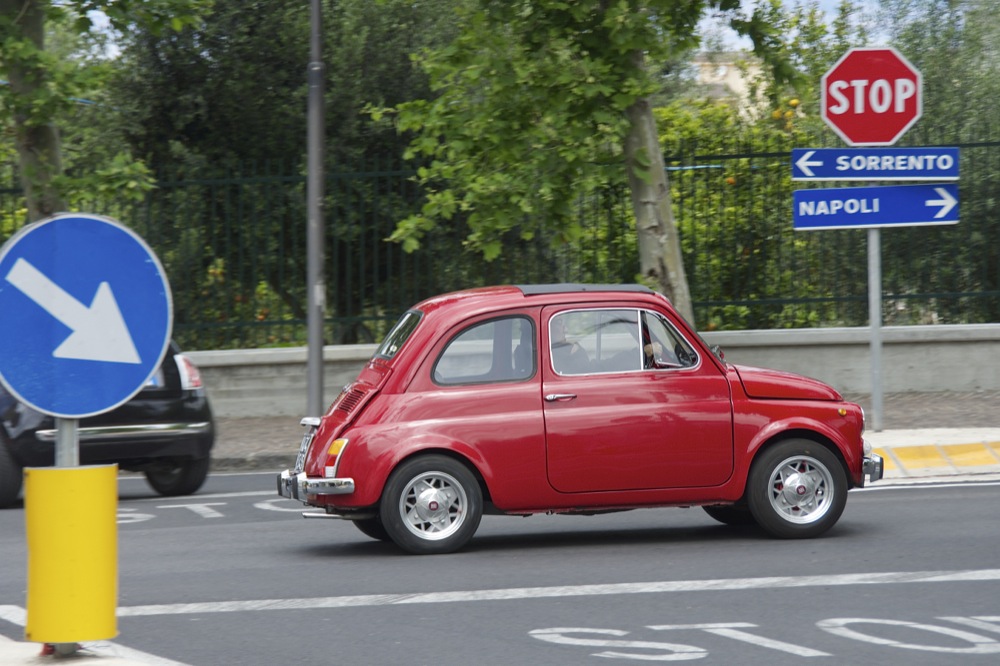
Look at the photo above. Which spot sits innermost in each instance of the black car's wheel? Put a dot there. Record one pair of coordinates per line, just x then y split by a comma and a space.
431, 504
736, 515
11, 476
797, 489
178, 477
372, 527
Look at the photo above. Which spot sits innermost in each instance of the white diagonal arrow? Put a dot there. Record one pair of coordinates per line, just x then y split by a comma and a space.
947, 202
99, 331
803, 164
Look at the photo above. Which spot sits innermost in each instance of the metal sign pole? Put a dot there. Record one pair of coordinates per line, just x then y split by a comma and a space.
67, 443
875, 320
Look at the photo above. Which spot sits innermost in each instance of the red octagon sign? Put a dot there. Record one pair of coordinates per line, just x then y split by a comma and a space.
871, 96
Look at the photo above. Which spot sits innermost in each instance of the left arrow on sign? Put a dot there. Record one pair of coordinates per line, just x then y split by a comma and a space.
99, 331
804, 163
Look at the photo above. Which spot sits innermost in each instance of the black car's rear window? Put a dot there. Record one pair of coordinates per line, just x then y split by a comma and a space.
399, 334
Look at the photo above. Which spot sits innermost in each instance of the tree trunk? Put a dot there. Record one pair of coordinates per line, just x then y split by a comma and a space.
36, 138
660, 257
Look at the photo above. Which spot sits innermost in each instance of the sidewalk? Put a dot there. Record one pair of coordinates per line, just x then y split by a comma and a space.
934, 436
922, 454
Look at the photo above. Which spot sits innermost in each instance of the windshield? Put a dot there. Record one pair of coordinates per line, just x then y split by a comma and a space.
399, 334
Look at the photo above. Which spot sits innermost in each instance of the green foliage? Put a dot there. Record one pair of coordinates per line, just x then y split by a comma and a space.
529, 109
46, 84
515, 126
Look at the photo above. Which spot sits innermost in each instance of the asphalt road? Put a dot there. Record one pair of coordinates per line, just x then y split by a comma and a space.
235, 576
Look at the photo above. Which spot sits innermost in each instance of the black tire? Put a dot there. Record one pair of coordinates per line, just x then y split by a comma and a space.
11, 477
372, 527
431, 505
736, 515
797, 489
178, 477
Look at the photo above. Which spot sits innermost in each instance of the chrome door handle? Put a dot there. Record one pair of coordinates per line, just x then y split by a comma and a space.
560, 397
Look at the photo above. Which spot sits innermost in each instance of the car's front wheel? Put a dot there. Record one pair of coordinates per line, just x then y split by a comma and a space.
178, 477
431, 504
797, 489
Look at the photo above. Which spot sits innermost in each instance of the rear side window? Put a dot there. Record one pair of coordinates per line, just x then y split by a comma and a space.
399, 334
498, 350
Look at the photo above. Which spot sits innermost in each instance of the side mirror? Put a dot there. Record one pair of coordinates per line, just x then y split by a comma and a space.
717, 350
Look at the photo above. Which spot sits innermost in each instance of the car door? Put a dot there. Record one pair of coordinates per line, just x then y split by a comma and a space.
617, 419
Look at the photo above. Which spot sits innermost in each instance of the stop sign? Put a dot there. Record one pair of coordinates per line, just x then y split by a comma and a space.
871, 96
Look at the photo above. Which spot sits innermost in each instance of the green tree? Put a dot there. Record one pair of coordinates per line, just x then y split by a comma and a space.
42, 86
225, 101
541, 103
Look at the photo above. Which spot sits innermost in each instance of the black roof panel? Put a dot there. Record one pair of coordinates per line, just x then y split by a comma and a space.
568, 288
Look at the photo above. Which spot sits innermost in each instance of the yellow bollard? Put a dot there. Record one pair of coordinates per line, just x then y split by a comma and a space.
71, 518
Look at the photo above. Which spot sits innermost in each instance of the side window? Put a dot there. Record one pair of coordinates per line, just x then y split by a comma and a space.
499, 350
663, 345
594, 341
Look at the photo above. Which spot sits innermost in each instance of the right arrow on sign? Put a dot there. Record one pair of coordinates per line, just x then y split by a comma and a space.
946, 202
882, 206
99, 331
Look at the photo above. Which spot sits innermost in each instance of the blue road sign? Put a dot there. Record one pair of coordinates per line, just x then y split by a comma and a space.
867, 207
875, 164
85, 315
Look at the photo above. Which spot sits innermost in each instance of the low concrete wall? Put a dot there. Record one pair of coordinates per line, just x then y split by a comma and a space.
272, 382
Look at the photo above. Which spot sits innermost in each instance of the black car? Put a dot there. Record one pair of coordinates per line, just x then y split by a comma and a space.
166, 432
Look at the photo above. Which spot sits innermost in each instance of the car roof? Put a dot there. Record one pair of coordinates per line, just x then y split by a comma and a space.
486, 299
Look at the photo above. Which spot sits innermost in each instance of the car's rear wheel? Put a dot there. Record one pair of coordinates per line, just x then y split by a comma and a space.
372, 527
11, 476
431, 504
797, 489
182, 476
736, 515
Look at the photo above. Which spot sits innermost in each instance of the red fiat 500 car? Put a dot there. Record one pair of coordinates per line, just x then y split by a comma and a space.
571, 399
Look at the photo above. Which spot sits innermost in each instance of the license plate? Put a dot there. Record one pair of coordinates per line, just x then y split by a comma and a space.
300, 460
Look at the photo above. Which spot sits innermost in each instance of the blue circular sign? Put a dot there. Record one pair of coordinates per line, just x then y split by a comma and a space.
85, 315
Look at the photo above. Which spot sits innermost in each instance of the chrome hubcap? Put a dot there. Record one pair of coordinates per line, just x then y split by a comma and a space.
433, 505
801, 489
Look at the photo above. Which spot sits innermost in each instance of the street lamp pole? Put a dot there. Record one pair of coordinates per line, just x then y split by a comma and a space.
315, 283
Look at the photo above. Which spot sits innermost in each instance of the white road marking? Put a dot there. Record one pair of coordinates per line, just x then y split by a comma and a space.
839, 626
515, 593
202, 509
980, 644
18, 616
735, 631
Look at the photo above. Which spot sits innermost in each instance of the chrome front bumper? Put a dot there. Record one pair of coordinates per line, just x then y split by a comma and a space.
299, 486
872, 468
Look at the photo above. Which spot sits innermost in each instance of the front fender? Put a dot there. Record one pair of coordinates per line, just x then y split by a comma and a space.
840, 441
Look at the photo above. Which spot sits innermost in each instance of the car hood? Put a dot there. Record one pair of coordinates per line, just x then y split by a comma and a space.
765, 383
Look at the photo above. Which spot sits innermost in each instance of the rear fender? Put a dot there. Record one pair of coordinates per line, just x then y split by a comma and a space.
378, 462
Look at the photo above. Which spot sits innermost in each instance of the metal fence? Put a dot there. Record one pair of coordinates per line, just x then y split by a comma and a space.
233, 244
